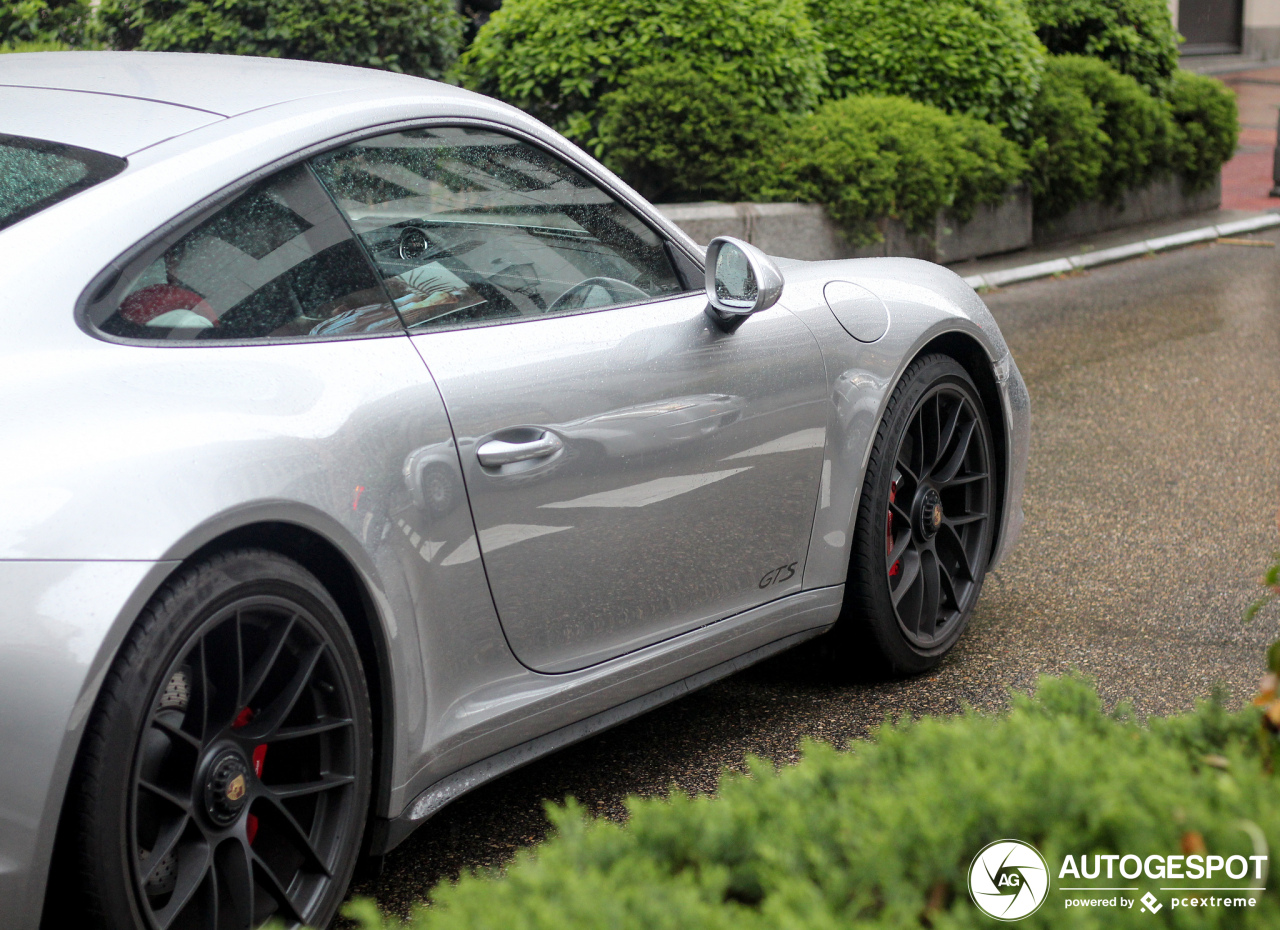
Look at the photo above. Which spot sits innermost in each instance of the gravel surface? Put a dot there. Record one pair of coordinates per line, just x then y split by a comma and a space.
1151, 510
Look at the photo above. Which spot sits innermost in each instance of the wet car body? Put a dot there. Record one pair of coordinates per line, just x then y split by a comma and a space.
501, 612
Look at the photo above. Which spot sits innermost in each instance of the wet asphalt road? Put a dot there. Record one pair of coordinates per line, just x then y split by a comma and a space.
1151, 509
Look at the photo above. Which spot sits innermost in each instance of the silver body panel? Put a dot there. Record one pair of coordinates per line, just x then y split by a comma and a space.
646, 524
120, 461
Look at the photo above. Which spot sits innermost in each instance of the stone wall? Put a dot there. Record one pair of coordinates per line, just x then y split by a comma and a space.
802, 230
1162, 200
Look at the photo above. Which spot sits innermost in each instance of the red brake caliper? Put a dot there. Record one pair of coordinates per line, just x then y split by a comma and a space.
259, 757
893, 498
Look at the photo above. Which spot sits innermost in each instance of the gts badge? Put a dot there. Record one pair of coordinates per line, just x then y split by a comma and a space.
781, 573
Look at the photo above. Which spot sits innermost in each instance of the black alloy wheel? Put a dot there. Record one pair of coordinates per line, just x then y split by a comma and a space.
925, 519
225, 778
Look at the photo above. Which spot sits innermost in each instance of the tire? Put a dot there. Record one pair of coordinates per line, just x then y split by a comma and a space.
924, 527
225, 775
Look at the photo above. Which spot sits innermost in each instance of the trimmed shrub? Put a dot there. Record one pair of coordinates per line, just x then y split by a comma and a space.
43, 21
978, 57
1207, 126
1136, 124
1069, 153
419, 37
556, 60
1124, 142
883, 835
870, 157
680, 132
1135, 36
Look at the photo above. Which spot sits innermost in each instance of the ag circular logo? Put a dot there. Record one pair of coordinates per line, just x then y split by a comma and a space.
1008, 879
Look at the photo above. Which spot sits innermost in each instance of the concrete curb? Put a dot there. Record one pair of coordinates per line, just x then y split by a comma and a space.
1120, 252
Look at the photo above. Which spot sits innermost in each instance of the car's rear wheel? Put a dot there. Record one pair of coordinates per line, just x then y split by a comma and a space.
925, 520
225, 775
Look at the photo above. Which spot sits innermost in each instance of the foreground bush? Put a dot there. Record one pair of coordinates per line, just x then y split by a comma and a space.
556, 60
978, 57
1136, 37
883, 835
419, 37
871, 157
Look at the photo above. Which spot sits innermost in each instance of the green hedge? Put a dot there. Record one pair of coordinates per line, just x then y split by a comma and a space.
1099, 133
557, 60
1135, 36
979, 57
883, 835
46, 46
1070, 148
1207, 126
870, 157
419, 37
43, 21
679, 131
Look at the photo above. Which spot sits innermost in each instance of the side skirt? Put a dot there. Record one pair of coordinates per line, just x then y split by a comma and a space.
387, 834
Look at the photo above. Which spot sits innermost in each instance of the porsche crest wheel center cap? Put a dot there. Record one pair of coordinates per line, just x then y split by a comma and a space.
226, 787
929, 513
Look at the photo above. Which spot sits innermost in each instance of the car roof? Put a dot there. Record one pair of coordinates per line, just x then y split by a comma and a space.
116, 125
120, 102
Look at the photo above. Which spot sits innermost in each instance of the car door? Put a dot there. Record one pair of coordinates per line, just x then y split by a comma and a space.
634, 470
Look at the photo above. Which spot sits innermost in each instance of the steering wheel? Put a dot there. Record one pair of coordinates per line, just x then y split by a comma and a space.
619, 291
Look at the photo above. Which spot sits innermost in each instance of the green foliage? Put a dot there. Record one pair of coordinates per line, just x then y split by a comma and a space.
49, 46
883, 835
419, 37
1136, 124
1070, 149
870, 157
979, 57
557, 60
43, 22
1098, 133
1207, 126
1135, 36
1270, 580
680, 131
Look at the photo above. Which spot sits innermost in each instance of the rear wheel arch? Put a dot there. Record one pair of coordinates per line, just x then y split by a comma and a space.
323, 559
335, 571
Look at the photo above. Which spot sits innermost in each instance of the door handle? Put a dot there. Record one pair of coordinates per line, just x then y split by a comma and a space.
498, 452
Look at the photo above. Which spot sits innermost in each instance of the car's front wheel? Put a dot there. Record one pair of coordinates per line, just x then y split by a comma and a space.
225, 775
925, 520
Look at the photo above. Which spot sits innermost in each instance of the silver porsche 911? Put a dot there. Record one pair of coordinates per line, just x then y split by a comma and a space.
363, 440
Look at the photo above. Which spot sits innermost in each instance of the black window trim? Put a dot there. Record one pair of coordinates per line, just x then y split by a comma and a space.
202, 210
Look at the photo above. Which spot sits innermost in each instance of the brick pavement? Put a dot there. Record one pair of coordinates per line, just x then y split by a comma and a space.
1246, 179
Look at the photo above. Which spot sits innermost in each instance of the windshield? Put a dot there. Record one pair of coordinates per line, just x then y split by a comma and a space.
35, 174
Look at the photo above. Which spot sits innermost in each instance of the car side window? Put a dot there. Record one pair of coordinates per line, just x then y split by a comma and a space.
278, 262
471, 226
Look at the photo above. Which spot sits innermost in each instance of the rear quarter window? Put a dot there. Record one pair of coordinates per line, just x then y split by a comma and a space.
36, 174
278, 262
